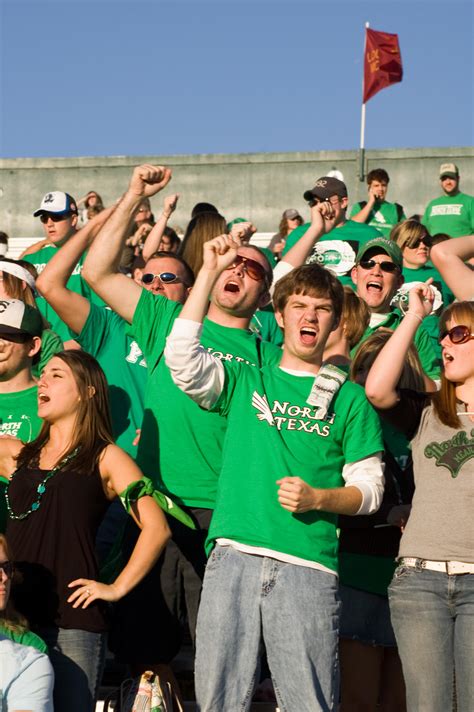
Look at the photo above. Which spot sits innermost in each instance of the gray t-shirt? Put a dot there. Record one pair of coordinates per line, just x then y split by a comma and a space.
440, 526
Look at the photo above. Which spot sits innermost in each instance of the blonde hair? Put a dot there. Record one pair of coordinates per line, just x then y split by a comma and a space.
201, 229
9, 617
408, 232
355, 316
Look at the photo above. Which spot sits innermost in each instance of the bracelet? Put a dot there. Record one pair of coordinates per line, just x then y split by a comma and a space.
414, 314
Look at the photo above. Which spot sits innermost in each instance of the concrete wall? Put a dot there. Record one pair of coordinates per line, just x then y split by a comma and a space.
257, 186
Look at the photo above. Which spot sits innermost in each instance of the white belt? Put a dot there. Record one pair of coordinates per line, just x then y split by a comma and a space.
447, 567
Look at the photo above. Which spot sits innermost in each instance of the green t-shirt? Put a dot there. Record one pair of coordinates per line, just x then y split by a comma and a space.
426, 352
180, 447
75, 283
18, 419
51, 344
265, 325
19, 414
25, 637
451, 214
383, 216
338, 249
105, 337
272, 433
443, 298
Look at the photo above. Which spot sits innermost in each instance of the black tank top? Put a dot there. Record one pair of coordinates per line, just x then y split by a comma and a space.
54, 545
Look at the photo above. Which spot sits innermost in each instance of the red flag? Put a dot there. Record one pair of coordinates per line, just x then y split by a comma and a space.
382, 62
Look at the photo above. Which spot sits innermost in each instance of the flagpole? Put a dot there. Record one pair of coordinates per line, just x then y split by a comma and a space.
362, 119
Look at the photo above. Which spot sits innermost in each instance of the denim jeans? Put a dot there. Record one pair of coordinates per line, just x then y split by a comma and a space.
294, 609
433, 618
77, 657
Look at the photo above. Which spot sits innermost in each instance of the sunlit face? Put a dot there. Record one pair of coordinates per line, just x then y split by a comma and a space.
307, 322
16, 352
458, 359
176, 291
58, 231
379, 187
5, 580
58, 394
376, 286
415, 257
235, 292
449, 185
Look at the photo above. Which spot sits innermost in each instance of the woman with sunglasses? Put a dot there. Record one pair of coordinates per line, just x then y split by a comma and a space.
432, 593
59, 488
415, 243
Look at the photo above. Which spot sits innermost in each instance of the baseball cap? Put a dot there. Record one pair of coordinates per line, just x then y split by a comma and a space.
56, 202
388, 246
325, 187
16, 317
449, 169
291, 214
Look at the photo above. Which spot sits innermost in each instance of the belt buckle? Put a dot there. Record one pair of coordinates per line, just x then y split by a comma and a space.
420, 564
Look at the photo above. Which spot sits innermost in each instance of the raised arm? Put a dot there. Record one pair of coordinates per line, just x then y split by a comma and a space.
296, 255
71, 307
195, 371
449, 258
384, 375
101, 266
364, 213
152, 242
118, 470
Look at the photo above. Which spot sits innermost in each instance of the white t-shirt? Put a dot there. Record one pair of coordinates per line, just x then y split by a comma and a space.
26, 678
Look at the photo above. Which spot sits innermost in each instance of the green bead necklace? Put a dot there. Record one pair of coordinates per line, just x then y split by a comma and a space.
41, 489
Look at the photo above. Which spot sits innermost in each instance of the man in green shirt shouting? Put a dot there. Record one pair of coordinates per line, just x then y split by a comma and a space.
302, 446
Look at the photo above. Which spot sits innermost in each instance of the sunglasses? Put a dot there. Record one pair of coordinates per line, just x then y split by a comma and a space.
7, 568
316, 201
253, 268
414, 245
457, 335
55, 217
385, 266
164, 277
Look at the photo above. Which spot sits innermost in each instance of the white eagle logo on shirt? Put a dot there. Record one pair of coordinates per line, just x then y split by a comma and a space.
261, 404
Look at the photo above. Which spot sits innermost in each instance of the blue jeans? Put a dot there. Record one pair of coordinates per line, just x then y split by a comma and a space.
77, 657
433, 618
294, 609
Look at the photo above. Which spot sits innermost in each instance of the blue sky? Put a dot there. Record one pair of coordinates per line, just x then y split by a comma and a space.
115, 77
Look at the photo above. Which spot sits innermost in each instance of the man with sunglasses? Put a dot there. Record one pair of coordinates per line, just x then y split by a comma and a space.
377, 276
58, 215
337, 249
453, 212
180, 446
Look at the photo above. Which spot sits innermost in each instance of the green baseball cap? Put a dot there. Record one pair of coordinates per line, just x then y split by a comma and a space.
388, 246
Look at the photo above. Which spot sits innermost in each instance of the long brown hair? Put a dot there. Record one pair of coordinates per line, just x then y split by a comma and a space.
9, 617
201, 229
444, 401
411, 376
93, 429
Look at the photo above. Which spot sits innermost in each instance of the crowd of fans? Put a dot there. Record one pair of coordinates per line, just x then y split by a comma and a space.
268, 451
